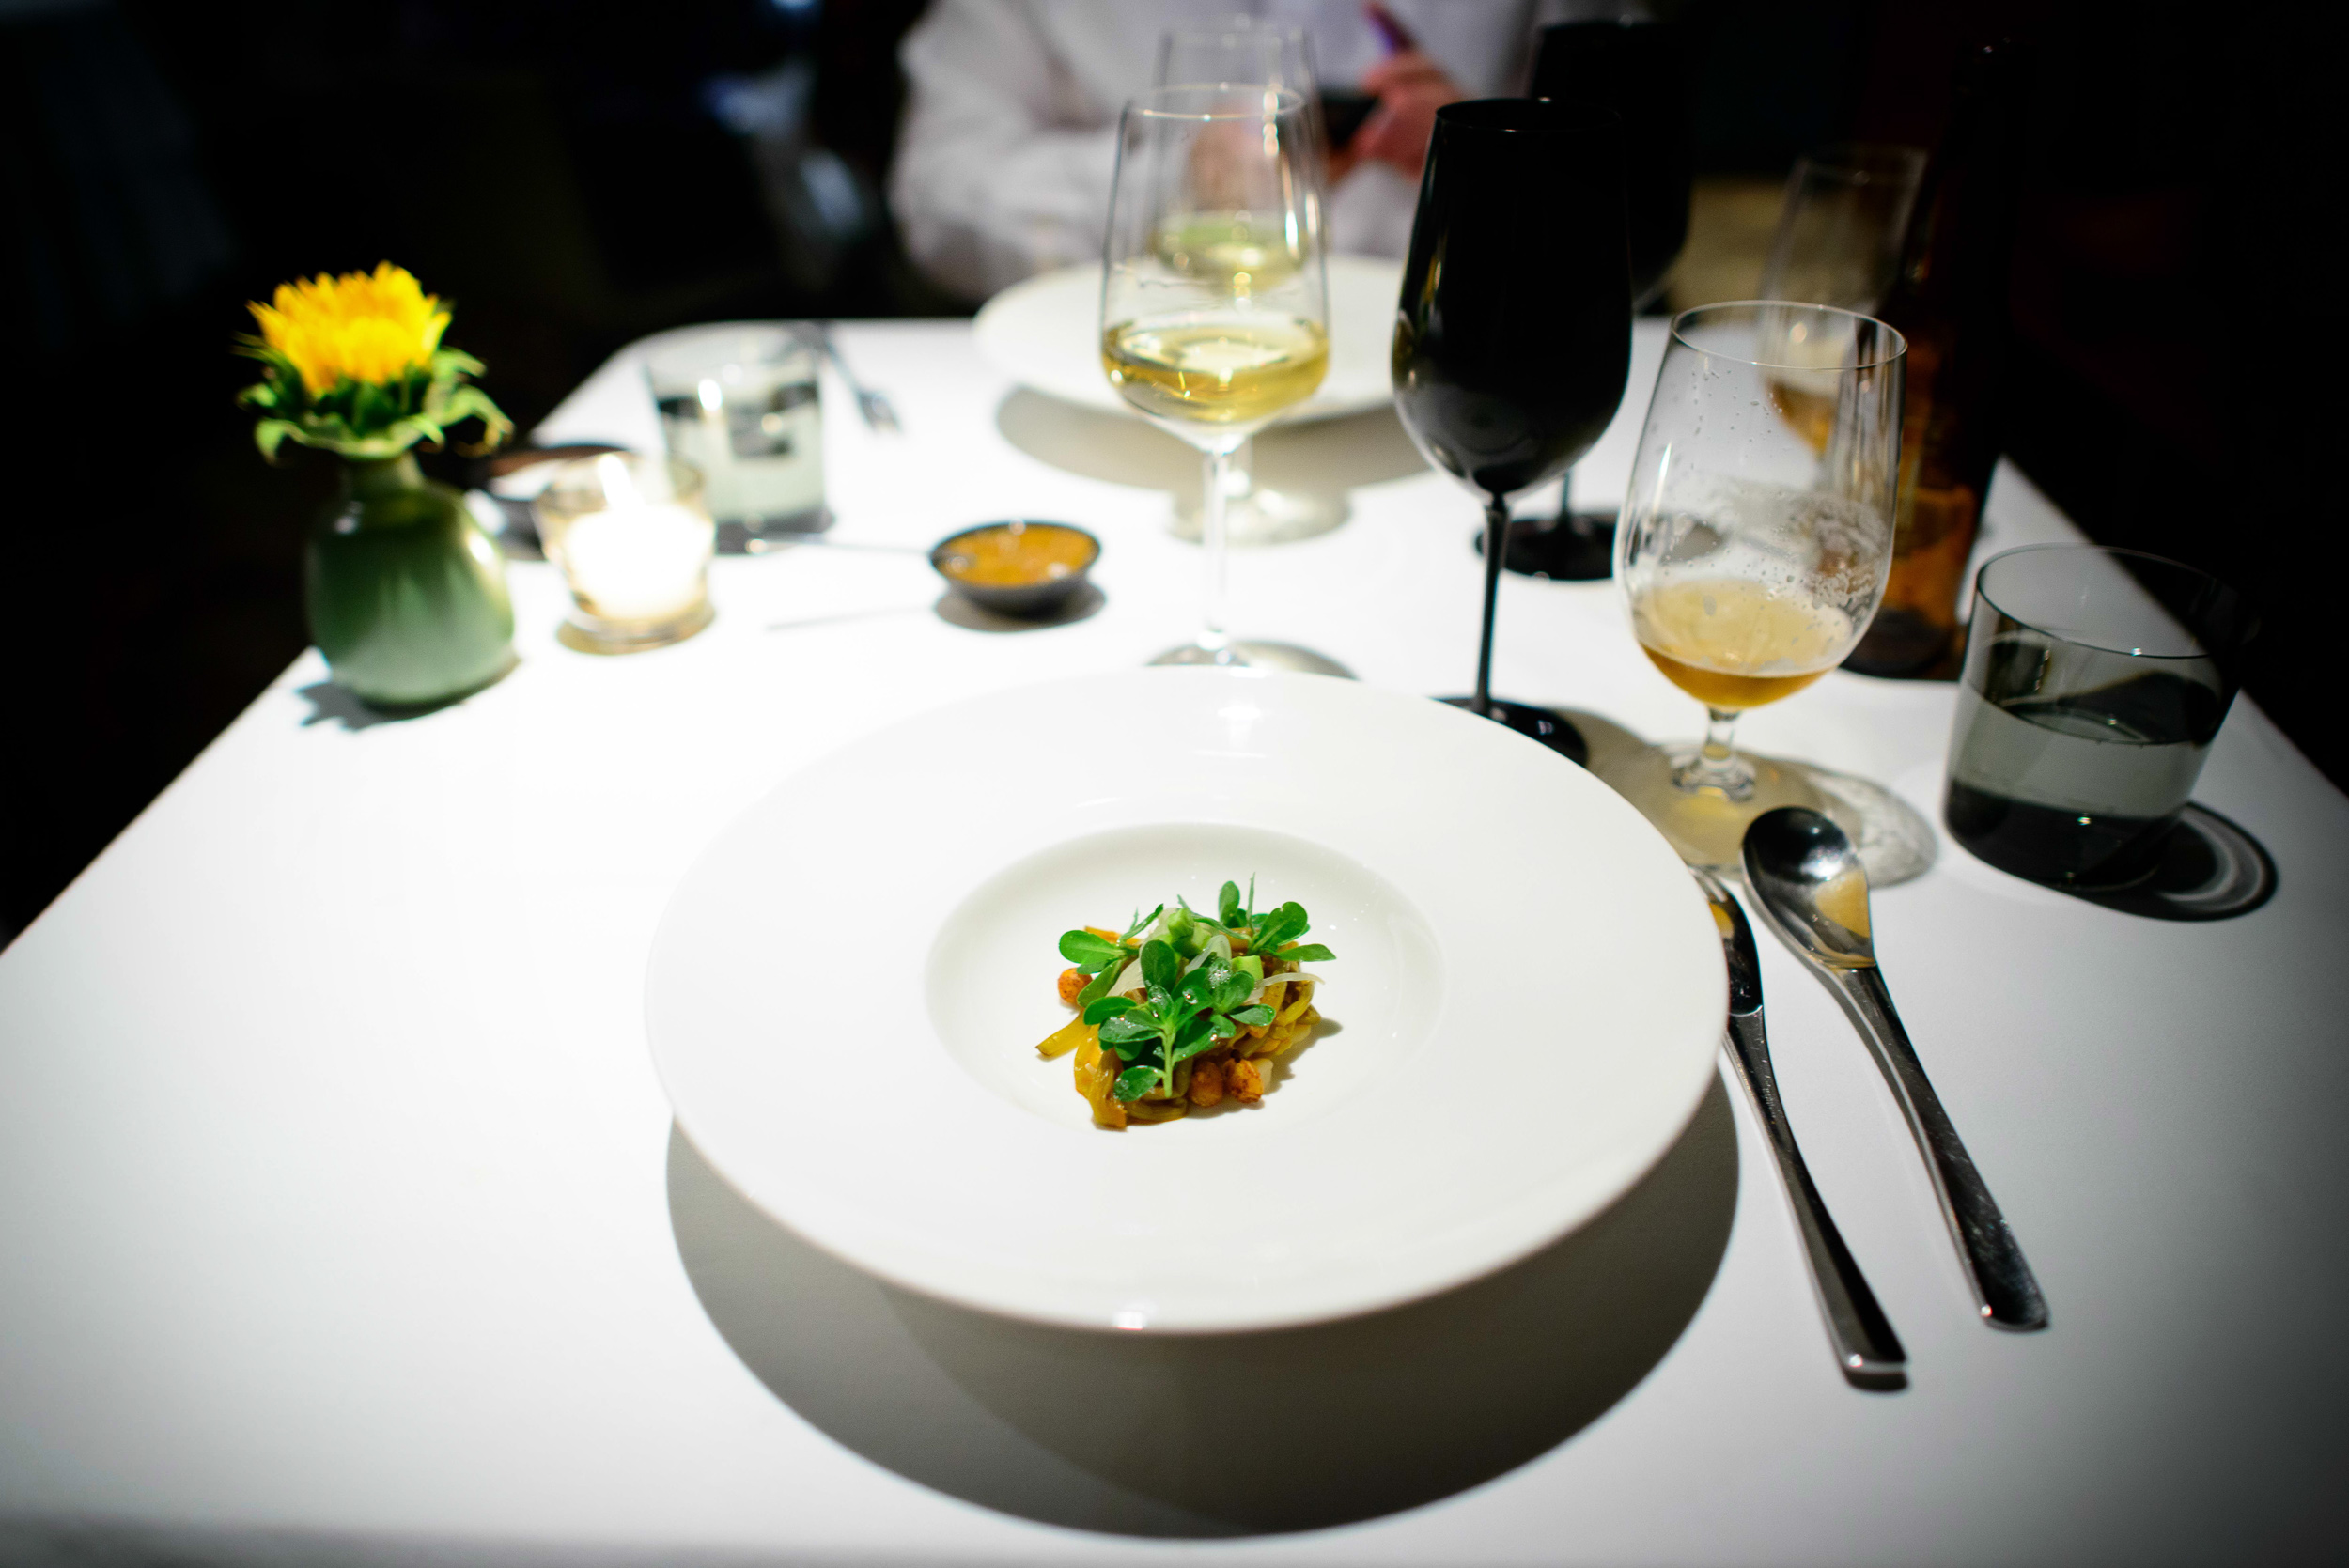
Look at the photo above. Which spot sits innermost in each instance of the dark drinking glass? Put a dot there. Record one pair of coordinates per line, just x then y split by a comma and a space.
1513, 338
1636, 70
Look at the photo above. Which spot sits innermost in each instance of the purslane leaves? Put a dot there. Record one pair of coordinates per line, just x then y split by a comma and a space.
1182, 1013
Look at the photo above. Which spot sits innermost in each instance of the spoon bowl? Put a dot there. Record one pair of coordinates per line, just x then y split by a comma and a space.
1805, 870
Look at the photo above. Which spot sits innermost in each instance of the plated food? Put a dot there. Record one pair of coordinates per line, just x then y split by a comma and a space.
1185, 1010
844, 993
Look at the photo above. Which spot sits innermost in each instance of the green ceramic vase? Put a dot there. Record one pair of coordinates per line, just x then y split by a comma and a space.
406, 595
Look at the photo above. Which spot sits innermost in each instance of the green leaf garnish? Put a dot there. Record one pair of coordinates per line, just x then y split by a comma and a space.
1182, 1011
1284, 924
1126, 1029
1090, 953
1160, 969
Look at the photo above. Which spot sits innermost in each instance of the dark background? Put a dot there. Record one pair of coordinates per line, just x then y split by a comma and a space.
575, 176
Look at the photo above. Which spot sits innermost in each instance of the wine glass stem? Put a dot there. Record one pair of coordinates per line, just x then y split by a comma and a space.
1239, 478
1717, 764
1577, 523
1214, 619
1496, 544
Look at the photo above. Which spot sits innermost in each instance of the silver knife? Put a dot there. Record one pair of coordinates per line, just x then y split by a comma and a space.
1866, 1348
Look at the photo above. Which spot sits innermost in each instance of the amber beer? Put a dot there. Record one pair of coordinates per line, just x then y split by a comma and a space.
1735, 645
1950, 300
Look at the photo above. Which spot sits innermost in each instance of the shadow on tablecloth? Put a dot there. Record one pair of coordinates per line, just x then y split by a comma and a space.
1219, 1436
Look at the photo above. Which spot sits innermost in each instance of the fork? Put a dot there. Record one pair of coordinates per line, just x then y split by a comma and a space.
878, 411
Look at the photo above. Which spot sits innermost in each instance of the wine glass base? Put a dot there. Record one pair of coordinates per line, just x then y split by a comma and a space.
620, 637
1536, 723
1256, 655
1704, 825
1895, 844
1263, 517
1551, 547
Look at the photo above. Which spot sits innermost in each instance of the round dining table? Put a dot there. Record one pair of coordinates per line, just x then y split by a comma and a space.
343, 1218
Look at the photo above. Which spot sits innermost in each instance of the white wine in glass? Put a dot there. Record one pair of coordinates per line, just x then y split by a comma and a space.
1267, 52
1214, 295
1753, 548
1236, 367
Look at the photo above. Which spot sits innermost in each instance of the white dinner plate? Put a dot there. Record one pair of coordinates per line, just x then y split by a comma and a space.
1046, 335
847, 991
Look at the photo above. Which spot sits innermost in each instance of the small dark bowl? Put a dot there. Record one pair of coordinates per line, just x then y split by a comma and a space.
1020, 600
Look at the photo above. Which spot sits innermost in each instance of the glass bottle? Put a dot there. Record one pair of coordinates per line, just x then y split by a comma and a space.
1949, 300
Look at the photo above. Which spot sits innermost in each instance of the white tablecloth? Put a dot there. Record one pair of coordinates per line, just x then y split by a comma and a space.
341, 1217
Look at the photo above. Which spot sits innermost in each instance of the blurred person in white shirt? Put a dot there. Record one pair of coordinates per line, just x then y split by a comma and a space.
1009, 138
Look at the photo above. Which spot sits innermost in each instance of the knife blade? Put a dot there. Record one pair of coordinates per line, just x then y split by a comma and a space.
1867, 1350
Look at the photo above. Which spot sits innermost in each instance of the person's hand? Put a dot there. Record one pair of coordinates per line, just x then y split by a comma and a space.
1410, 88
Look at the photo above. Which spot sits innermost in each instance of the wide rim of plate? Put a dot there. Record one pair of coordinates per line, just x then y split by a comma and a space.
1043, 333
1578, 1007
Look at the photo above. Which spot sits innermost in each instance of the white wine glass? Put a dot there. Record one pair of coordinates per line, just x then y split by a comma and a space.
1215, 298
1252, 49
1751, 558
1839, 231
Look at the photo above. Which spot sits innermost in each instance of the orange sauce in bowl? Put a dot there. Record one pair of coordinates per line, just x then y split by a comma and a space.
1016, 554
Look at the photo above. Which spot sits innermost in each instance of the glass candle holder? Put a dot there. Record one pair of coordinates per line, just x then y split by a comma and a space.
634, 539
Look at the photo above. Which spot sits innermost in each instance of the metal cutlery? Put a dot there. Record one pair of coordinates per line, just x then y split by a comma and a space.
878, 411
1866, 1350
1808, 882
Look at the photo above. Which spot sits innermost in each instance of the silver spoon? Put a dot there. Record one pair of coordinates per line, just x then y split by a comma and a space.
1808, 882
1866, 1348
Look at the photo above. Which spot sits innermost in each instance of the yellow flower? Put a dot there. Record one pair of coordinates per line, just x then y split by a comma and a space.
370, 328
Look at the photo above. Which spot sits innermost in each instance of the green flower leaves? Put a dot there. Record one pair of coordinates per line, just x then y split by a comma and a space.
368, 420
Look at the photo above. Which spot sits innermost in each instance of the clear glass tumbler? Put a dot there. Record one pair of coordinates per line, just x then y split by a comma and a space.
2095, 681
744, 405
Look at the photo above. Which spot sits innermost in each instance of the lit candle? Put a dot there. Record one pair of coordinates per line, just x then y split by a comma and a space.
638, 563
638, 559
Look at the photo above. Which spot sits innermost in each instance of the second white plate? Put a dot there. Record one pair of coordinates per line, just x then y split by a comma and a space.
1046, 335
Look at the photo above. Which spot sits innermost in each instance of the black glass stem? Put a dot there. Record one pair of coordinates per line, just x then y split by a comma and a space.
1638, 69
1513, 337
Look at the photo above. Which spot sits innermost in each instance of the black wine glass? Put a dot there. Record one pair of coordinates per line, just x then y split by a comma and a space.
1513, 340
1637, 69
